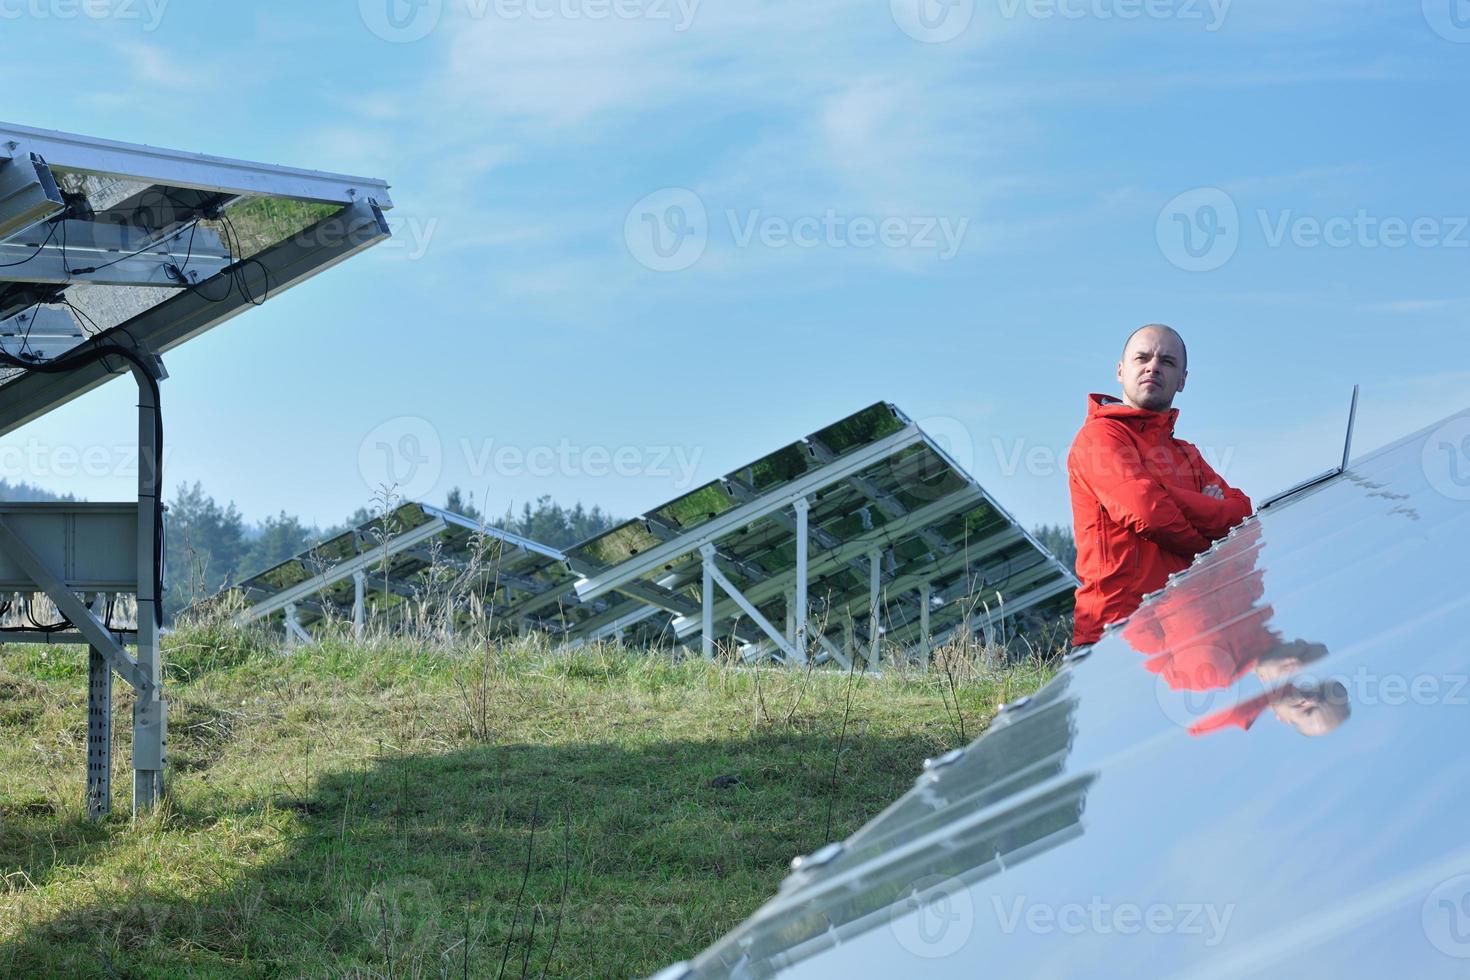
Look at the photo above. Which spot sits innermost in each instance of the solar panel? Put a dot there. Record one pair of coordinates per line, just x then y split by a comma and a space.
111, 242
112, 254
1260, 773
902, 545
417, 558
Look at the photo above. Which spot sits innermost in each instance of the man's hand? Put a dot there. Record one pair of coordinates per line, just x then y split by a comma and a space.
1213, 490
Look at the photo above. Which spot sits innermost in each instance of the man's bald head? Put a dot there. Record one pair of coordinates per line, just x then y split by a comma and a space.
1153, 368
1164, 328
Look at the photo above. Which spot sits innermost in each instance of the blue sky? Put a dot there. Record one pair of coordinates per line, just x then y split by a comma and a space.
963, 212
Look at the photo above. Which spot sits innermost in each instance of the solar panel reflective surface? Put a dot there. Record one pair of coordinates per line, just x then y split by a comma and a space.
1261, 773
149, 247
876, 484
419, 557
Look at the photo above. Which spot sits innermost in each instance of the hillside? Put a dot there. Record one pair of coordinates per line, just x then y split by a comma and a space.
386, 810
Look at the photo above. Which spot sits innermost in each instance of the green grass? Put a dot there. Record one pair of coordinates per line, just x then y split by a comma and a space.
390, 810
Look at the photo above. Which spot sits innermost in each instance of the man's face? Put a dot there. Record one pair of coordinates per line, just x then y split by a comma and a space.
1152, 370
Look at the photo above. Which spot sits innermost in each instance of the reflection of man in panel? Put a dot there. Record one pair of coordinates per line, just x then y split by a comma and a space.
1143, 502
1207, 634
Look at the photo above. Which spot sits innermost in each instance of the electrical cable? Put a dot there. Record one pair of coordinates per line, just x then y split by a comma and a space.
78, 358
39, 249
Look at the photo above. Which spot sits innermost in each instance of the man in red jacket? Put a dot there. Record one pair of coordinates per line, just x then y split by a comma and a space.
1143, 503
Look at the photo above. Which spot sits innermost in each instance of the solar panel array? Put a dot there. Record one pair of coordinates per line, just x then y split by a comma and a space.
423, 560
149, 247
948, 558
1157, 811
877, 486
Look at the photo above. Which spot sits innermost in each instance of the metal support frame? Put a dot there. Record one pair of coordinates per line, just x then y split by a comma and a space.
30, 160
926, 597
143, 671
99, 734
707, 609
618, 626
294, 631
343, 570
713, 576
118, 256
875, 586
742, 516
188, 314
359, 600
150, 711
802, 508
28, 192
856, 549
183, 169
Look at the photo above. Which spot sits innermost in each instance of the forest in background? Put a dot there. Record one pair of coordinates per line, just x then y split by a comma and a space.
209, 545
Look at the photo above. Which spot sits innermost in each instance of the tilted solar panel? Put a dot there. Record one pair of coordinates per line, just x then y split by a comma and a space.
1260, 773
417, 557
879, 492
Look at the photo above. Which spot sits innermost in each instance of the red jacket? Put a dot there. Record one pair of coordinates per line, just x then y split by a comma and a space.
1139, 512
1206, 635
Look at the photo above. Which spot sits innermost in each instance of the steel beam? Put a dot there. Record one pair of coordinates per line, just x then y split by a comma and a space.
803, 508
855, 549
192, 312
343, 570
76, 611
28, 192
732, 520
99, 734
707, 610
175, 168
708, 551
875, 585
150, 710
112, 255
359, 598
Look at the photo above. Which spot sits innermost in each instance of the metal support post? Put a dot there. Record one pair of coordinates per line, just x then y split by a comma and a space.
99, 734
712, 571
926, 598
359, 600
294, 630
707, 609
875, 582
803, 507
150, 710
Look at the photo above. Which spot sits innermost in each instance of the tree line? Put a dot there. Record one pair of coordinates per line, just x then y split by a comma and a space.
209, 545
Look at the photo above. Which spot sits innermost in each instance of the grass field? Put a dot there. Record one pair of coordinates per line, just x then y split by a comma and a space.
387, 809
